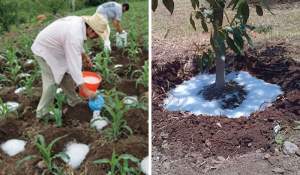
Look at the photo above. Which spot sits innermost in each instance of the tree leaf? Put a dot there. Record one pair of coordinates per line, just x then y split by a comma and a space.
199, 15
211, 58
204, 25
234, 3
266, 5
192, 22
238, 40
229, 29
169, 4
193, 4
221, 47
245, 12
259, 10
232, 46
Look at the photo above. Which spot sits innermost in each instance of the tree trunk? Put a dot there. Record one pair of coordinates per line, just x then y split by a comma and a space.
73, 5
220, 64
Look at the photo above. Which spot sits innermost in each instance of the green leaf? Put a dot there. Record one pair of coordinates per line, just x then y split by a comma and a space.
204, 25
55, 140
128, 156
211, 57
199, 15
102, 161
192, 22
62, 155
259, 10
229, 29
297, 127
234, 3
221, 47
169, 4
279, 139
232, 46
154, 5
193, 4
27, 158
266, 5
245, 12
238, 40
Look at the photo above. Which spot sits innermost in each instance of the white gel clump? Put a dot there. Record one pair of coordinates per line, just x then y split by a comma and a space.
145, 165
91, 80
21, 89
99, 124
77, 153
130, 99
13, 146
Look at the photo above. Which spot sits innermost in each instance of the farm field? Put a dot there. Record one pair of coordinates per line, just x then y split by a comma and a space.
124, 87
186, 143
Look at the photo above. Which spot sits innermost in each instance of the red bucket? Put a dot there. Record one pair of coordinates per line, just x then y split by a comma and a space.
91, 81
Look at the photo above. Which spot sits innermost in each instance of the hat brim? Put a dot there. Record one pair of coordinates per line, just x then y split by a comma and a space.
104, 35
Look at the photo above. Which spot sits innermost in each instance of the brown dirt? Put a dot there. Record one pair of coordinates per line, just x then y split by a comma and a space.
177, 135
76, 121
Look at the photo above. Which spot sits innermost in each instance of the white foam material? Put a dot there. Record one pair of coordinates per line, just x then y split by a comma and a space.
145, 165
99, 124
29, 61
77, 153
91, 80
58, 90
14, 105
21, 89
118, 65
128, 99
185, 96
13, 146
24, 75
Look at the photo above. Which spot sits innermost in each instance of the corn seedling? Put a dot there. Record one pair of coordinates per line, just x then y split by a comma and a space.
87, 47
3, 78
128, 70
132, 52
46, 152
27, 83
143, 79
6, 109
115, 108
146, 45
25, 41
57, 112
101, 67
121, 169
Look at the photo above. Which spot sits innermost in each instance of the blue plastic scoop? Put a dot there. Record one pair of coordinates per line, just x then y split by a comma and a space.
96, 104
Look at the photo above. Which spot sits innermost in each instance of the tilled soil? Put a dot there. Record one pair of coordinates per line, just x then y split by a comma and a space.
180, 137
76, 124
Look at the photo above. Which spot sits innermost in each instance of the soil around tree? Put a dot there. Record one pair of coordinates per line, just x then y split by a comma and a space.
179, 135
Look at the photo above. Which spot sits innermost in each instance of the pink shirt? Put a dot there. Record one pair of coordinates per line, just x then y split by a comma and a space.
61, 45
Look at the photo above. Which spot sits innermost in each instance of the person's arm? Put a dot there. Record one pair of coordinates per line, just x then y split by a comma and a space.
86, 60
117, 24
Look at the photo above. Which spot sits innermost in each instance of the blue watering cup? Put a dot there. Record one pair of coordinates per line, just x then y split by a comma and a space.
96, 104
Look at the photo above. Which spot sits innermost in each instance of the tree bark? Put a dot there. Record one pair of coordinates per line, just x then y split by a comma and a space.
220, 64
73, 5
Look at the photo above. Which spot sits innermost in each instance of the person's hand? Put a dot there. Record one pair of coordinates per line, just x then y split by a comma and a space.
89, 94
87, 62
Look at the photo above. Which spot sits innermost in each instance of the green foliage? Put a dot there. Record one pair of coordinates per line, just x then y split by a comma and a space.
101, 66
115, 162
264, 29
95, 2
7, 13
28, 84
116, 109
57, 112
6, 109
46, 152
132, 52
143, 79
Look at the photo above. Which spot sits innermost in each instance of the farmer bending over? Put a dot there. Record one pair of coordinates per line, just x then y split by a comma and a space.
59, 51
113, 11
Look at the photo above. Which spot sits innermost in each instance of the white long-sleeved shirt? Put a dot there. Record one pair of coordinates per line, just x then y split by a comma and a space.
61, 45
